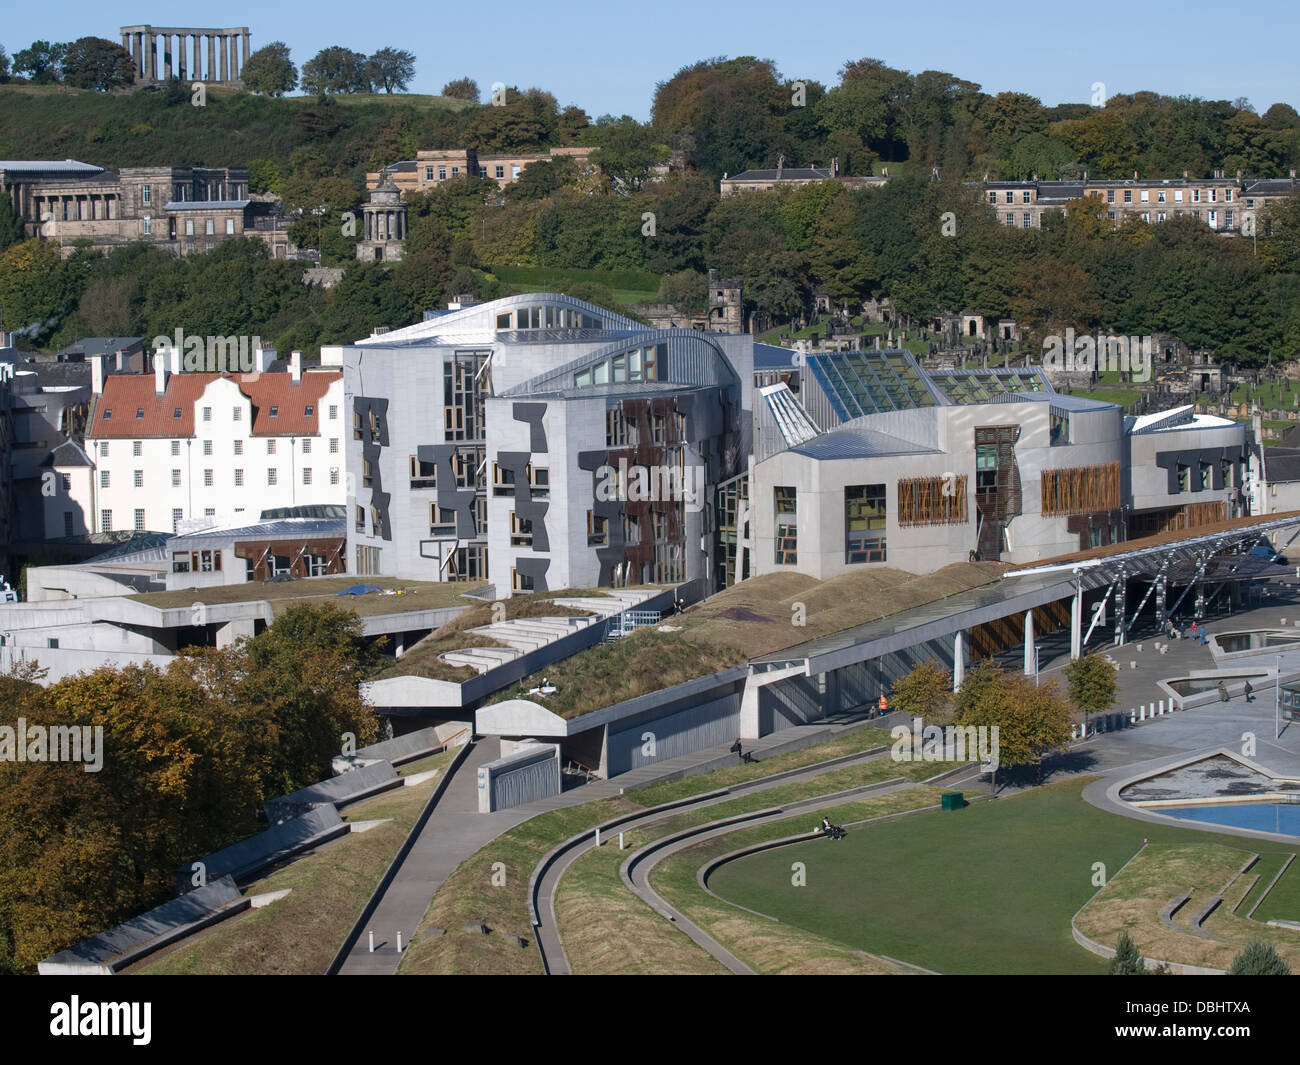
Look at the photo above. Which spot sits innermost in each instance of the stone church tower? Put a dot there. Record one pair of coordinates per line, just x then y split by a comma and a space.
726, 308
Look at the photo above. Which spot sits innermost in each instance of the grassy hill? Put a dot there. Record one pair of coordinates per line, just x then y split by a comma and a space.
162, 127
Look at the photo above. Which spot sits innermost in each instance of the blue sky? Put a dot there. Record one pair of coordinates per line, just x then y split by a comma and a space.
607, 57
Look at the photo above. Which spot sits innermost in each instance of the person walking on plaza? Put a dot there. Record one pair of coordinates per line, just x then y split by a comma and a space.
1248, 690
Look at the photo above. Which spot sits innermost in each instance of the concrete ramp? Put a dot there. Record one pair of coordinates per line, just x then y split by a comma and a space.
337, 791
242, 860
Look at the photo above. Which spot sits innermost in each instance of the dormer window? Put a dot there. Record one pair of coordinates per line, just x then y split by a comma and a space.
139, 412
308, 410
176, 413
108, 414
275, 412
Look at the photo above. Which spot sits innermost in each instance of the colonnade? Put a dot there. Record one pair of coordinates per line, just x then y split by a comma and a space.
152, 49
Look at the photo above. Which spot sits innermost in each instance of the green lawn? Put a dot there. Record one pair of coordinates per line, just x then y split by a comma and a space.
989, 889
1283, 902
628, 286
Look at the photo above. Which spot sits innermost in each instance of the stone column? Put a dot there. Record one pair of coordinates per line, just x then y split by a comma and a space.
167, 56
212, 57
1076, 621
225, 57
958, 659
234, 57
198, 60
151, 56
180, 56
244, 38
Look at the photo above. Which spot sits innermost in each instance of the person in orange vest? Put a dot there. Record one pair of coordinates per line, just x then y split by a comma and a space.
884, 706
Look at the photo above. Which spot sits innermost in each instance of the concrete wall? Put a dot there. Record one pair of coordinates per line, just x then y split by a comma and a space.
529, 774
704, 721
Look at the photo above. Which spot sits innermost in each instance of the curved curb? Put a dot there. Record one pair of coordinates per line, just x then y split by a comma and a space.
559, 964
662, 846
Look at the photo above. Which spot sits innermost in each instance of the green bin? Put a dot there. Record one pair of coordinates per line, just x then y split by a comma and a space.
953, 800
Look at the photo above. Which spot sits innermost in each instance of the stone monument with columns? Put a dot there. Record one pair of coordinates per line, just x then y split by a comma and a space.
157, 58
384, 218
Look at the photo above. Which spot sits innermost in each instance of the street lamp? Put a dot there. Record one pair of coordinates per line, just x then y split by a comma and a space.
1277, 700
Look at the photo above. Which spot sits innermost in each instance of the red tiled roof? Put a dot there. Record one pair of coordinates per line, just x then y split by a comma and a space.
125, 394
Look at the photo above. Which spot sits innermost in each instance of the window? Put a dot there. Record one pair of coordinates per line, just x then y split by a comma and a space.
1205, 475
500, 171
423, 474
1128, 195
189, 227
207, 414
442, 173
209, 512
376, 521
137, 448
271, 475
367, 473
368, 561
208, 227
1227, 219
306, 475
308, 410
1178, 195
1110, 195
270, 447
334, 445
146, 194
1196, 195
521, 531
597, 530
108, 413
139, 412
139, 520
865, 519
1227, 195
205, 561
275, 411
787, 540
334, 413
176, 447
239, 478
1028, 221
237, 414
1144, 196
1011, 218
207, 478
1011, 196
65, 481
620, 431
1160, 197
105, 521
230, 227
147, 225
176, 478
239, 447
334, 475
360, 518
207, 447
428, 173
520, 582
103, 478
1184, 477
993, 197
514, 176
137, 477
306, 446
442, 520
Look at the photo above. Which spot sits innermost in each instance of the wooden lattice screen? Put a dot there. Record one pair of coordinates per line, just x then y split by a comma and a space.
932, 500
1081, 489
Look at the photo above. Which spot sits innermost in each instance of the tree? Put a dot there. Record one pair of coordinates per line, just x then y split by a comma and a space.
1031, 721
42, 62
4, 65
926, 692
269, 71
1259, 959
335, 69
687, 290
461, 89
94, 63
390, 68
1127, 960
1091, 682
628, 152
11, 226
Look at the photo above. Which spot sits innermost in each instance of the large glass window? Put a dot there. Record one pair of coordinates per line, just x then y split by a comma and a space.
865, 518
787, 530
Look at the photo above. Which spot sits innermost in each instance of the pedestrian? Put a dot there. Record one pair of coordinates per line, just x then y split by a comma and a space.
1248, 689
1223, 692
738, 749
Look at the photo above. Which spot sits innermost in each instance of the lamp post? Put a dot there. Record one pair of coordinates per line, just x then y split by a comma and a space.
1277, 700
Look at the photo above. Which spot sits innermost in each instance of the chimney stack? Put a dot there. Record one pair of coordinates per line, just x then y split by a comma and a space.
173, 359
159, 375
295, 367
262, 359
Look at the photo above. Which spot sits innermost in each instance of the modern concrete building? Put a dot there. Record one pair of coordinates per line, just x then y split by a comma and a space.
885, 464
576, 447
